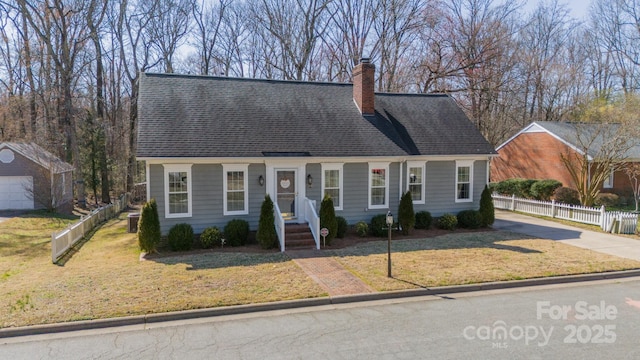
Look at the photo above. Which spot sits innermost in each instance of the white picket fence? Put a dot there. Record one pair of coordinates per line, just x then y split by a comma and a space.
65, 239
610, 221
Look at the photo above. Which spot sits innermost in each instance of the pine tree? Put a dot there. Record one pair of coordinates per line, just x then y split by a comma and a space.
266, 234
486, 207
328, 218
406, 215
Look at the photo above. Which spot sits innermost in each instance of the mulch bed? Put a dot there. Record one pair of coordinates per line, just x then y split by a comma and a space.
350, 239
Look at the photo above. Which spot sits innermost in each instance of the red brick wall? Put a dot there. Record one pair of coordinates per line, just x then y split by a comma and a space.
532, 156
537, 156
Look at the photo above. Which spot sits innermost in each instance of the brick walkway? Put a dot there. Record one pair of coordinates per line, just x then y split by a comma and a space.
328, 273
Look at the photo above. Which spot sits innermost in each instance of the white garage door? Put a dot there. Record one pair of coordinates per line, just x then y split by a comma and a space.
14, 193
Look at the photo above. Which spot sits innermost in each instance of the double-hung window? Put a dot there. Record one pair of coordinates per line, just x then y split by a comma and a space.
608, 182
177, 191
415, 181
332, 183
378, 185
464, 180
236, 187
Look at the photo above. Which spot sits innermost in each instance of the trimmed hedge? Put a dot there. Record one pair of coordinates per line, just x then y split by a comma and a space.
236, 232
469, 219
266, 234
328, 218
448, 222
527, 188
607, 199
567, 195
378, 226
180, 237
487, 210
406, 215
343, 226
362, 229
423, 220
544, 189
210, 237
149, 233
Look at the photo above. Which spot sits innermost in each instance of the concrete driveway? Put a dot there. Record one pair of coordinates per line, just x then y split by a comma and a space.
621, 246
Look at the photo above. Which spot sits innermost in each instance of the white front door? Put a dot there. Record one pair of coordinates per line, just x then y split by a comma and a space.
286, 193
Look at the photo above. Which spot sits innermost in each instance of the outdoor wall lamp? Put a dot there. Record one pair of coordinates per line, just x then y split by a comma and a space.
389, 224
261, 180
309, 180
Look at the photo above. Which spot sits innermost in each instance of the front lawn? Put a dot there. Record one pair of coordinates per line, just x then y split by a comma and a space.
107, 279
466, 258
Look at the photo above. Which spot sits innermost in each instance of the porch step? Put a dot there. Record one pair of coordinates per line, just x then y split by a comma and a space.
299, 237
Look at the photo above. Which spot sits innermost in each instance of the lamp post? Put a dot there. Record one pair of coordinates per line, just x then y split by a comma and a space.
389, 224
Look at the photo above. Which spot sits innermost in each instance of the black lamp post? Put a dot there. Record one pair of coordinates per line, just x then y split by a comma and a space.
389, 224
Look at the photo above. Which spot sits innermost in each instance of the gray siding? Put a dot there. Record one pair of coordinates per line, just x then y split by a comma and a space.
314, 191
207, 208
23, 166
207, 193
440, 188
356, 192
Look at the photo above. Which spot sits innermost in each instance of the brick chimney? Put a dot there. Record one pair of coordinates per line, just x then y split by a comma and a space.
363, 84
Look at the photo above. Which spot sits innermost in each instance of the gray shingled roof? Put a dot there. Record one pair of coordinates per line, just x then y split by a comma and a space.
581, 134
199, 116
39, 155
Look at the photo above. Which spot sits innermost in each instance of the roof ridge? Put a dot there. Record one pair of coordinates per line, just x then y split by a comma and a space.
245, 79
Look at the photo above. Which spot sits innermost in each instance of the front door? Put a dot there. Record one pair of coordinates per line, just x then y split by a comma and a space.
286, 193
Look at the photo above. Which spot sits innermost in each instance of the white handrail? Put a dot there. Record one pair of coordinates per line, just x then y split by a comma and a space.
279, 224
312, 218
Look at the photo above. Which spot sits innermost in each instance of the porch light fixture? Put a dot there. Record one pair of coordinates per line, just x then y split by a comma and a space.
261, 180
309, 180
389, 224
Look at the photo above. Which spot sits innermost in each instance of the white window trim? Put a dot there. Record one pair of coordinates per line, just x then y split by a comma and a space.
385, 166
421, 165
464, 163
339, 167
178, 168
244, 168
608, 182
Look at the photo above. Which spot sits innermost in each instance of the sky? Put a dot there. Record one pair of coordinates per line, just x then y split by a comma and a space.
579, 8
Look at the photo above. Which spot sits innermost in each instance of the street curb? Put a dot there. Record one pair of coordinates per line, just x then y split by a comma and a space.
292, 304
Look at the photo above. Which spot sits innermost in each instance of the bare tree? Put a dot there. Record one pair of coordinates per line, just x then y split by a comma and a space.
167, 26
208, 18
291, 29
602, 141
633, 173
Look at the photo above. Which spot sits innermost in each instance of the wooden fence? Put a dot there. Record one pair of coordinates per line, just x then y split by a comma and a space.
610, 221
65, 239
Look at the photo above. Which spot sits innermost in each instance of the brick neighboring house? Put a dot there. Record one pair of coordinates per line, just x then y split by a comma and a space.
535, 153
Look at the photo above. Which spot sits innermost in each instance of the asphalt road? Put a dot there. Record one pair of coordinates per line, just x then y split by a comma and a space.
594, 320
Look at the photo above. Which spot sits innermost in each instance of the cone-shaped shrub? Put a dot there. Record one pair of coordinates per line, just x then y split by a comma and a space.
149, 227
328, 218
406, 215
266, 234
486, 207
